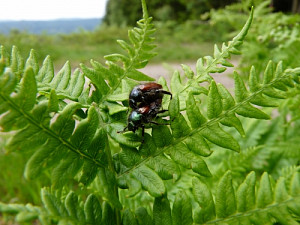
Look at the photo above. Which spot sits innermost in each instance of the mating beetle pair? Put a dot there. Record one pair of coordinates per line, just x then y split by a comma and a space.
146, 101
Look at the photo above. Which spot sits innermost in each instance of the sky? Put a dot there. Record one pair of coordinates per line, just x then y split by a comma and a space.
51, 9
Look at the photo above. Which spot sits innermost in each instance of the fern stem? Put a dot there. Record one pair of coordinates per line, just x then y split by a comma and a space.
51, 133
115, 187
207, 124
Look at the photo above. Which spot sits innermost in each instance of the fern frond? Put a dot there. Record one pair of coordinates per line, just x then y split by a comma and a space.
112, 81
67, 85
70, 210
246, 206
24, 213
222, 108
50, 139
251, 203
207, 65
250, 159
61, 143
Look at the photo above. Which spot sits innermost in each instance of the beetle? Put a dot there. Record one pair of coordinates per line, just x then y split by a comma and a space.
144, 115
145, 101
145, 94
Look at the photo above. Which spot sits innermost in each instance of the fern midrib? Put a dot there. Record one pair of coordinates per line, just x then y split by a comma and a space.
257, 210
207, 124
50, 132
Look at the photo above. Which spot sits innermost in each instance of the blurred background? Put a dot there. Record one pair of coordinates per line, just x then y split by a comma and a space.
84, 30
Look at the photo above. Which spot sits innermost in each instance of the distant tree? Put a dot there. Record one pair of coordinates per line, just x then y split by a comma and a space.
126, 12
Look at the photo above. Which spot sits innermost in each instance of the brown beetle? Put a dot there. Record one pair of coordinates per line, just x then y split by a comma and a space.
145, 94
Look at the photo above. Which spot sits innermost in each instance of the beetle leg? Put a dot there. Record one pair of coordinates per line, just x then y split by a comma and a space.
162, 111
166, 92
143, 133
122, 130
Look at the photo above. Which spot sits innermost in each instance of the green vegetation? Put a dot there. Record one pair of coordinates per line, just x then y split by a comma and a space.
273, 36
227, 157
120, 14
83, 46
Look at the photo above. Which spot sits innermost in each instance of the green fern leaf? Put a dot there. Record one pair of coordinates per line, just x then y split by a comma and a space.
143, 217
218, 136
134, 187
46, 73
84, 133
32, 62
182, 209
61, 210
165, 168
264, 193
268, 74
108, 215
204, 198
107, 183
281, 193
60, 81
53, 104
32, 121
16, 61
162, 211
225, 197
241, 92
295, 184
92, 210
129, 218
245, 194
129, 139
247, 110
161, 131
27, 96
193, 112
5, 56
150, 181
96, 79
214, 107
197, 144
253, 208
25, 213
181, 155
52, 204
128, 156
179, 126
73, 208
253, 80
232, 121
65, 170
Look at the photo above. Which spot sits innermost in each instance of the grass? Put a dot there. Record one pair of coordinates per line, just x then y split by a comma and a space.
176, 43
